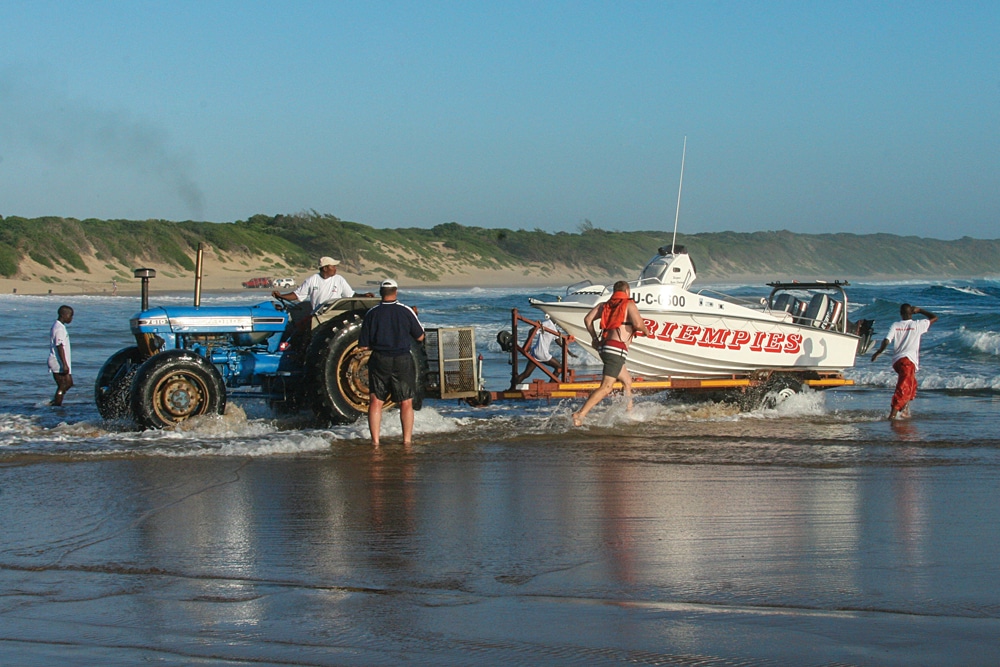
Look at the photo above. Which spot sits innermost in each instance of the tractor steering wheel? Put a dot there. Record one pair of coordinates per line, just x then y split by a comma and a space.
283, 303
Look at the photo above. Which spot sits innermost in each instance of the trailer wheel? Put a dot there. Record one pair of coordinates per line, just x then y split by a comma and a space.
112, 389
778, 390
176, 385
480, 400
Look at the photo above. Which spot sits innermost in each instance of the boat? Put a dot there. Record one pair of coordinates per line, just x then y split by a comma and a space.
801, 326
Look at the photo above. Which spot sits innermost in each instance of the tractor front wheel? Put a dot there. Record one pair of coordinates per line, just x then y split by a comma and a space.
176, 385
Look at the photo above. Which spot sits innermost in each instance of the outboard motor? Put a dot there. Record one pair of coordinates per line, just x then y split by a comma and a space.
866, 334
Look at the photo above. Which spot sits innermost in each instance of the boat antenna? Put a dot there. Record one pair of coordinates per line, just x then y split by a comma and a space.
677, 215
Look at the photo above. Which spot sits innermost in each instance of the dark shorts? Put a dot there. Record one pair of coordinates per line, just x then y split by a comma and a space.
391, 375
613, 364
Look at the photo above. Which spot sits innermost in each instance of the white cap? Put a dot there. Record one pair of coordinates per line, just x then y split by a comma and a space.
388, 282
328, 261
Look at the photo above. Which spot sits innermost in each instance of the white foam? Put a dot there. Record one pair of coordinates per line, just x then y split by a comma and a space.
951, 381
927, 379
806, 403
20, 424
966, 290
280, 443
987, 342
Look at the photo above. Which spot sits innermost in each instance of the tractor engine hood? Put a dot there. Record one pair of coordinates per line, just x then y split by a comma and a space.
209, 320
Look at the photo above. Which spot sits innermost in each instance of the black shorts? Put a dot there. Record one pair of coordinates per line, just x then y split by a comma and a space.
391, 375
613, 364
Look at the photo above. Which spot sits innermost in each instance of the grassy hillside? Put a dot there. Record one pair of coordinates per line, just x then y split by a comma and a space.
66, 245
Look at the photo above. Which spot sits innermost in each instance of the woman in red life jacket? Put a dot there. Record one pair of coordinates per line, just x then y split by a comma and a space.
620, 321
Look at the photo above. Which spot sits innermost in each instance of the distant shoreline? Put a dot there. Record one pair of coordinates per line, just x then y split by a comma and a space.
91, 286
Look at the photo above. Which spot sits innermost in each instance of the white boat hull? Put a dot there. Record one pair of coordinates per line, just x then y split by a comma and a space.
706, 334
691, 345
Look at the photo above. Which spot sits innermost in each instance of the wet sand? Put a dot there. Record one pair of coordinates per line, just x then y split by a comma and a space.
529, 551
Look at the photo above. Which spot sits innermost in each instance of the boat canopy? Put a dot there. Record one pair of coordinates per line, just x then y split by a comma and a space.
670, 266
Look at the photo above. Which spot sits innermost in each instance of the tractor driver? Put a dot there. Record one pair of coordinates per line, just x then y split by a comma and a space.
320, 288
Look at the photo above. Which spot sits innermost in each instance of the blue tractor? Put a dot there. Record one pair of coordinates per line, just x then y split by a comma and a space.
187, 358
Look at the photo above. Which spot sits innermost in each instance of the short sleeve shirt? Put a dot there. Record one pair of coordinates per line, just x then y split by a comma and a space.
905, 338
59, 336
319, 290
389, 328
540, 347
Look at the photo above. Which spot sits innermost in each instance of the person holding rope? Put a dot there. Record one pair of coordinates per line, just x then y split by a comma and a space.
620, 322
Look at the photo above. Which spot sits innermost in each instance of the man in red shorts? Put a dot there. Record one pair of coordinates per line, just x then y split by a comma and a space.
905, 337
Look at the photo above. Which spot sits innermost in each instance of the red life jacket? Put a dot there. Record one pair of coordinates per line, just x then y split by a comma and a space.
614, 313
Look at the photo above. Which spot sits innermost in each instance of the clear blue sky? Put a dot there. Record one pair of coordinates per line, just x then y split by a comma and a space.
812, 117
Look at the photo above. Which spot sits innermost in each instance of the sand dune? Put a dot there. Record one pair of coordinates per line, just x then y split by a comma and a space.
221, 276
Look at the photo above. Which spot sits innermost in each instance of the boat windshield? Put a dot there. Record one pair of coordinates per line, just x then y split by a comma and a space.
669, 268
656, 269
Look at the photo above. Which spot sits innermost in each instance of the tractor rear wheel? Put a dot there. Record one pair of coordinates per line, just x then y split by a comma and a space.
176, 385
339, 372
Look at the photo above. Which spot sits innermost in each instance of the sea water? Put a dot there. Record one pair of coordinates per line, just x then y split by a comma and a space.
680, 533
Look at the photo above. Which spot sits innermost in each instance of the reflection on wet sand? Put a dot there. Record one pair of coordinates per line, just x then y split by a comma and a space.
527, 552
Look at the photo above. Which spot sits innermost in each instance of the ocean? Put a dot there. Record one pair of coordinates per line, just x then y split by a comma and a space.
681, 533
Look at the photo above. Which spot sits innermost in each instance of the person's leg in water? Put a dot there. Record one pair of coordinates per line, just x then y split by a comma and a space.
626, 379
64, 381
406, 419
374, 418
614, 366
596, 396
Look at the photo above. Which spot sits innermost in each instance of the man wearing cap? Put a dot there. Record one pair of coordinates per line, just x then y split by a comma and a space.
388, 330
320, 288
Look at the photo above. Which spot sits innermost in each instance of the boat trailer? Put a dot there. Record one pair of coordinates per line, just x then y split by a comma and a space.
567, 383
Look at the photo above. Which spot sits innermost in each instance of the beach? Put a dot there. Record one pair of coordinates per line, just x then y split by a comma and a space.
526, 555
814, 533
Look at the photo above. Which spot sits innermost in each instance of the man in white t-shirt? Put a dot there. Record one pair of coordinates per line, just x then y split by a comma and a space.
60, 358
905, 337
320, 288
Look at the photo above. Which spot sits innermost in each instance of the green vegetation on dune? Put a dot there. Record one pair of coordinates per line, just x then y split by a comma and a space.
431, 254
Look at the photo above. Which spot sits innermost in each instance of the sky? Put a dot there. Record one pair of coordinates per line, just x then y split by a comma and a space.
812, 117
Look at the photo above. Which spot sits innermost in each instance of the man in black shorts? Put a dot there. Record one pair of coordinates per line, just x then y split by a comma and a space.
388, 330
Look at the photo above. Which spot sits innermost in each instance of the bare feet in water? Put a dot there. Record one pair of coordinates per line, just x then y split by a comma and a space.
577, 419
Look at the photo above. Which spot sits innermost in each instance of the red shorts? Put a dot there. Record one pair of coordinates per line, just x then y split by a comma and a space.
906, 385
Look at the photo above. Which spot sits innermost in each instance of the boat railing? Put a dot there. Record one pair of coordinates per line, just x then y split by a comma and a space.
826, 312
757, 302
576, 287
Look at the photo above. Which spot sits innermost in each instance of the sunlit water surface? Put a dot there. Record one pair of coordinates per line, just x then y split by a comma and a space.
680, 533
